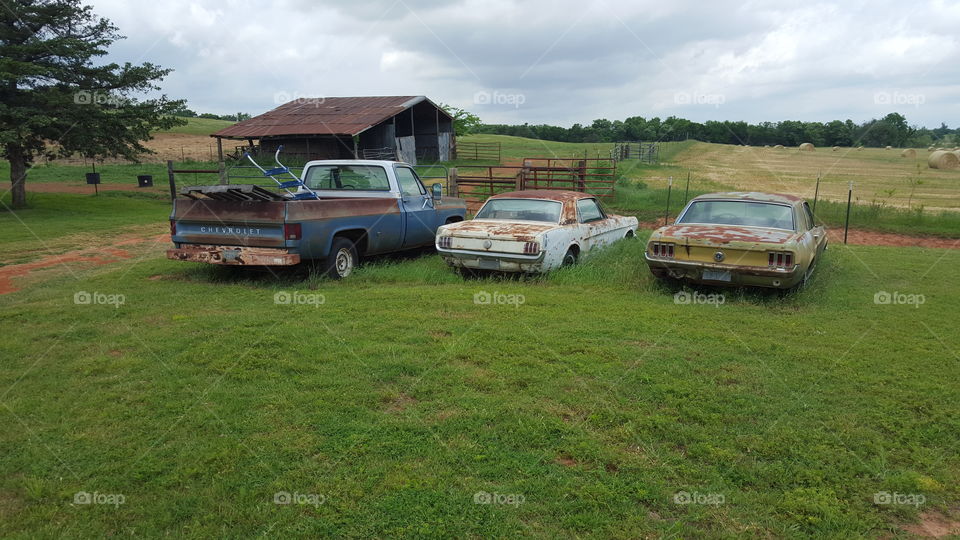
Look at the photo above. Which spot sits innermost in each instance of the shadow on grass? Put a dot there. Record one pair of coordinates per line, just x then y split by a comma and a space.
306, 274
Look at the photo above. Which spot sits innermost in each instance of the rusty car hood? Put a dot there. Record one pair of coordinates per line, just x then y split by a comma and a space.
723, 234
523, 231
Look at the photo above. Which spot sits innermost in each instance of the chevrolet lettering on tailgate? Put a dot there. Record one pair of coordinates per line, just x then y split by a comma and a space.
239, 231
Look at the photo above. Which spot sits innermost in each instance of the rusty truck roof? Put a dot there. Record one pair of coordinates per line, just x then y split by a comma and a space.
758, 196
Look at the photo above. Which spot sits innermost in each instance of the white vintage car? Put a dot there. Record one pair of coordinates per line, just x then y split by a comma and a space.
531, 231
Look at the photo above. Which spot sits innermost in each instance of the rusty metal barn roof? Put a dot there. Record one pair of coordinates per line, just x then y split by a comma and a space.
345, 116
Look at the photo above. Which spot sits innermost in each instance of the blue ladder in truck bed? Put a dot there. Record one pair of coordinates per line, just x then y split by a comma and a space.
303, 192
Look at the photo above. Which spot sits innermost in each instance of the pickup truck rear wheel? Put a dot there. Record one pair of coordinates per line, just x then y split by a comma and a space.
342, 260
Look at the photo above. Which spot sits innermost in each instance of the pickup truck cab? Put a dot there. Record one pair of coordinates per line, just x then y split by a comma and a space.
364, 207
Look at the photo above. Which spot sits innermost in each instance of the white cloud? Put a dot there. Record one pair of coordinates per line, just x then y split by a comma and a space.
571, 61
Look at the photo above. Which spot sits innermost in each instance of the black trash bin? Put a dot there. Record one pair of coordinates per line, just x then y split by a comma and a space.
93, 178
145, 180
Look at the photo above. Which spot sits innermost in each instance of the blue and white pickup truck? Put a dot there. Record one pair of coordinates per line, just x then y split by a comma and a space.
359, 208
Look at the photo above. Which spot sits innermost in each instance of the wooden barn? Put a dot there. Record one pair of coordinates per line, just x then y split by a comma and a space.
406, 128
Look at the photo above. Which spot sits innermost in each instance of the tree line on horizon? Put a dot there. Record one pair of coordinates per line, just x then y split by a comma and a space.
891, 130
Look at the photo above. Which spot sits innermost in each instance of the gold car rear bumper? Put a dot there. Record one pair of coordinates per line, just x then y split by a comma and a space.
703, 272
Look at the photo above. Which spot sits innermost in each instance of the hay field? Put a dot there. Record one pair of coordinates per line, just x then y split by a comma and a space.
879, 175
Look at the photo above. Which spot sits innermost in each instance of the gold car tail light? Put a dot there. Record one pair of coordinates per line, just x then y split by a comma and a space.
662, 249
780, 259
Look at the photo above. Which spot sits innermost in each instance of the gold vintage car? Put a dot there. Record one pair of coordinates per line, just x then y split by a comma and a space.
739, 238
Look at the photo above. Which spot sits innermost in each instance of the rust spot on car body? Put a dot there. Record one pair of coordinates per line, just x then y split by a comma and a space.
521, 232
726, 234
233, 255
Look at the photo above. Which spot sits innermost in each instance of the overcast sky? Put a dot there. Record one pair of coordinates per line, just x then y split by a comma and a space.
560, 62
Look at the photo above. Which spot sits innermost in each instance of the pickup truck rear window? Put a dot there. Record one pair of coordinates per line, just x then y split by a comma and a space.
347, 178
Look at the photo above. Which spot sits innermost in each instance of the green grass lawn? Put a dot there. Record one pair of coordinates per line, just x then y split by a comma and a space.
200, 126
60, 222
588, 403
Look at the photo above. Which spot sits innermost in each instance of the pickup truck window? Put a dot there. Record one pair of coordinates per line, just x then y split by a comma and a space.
347, 177
409, 184
521, 209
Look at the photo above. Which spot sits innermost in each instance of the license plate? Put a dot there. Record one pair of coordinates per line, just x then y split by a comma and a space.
489, 264
716, 275
230, 254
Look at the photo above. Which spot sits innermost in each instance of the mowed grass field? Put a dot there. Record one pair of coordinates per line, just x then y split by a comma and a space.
155, 398
879, 176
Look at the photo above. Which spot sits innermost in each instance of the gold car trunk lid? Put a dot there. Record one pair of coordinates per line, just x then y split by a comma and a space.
726, 235
743, 246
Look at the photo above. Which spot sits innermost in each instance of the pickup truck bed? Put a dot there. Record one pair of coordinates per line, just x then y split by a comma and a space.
205, 227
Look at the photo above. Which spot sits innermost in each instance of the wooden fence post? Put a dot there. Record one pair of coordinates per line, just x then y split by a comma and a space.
452, 183
221, 166
172, 179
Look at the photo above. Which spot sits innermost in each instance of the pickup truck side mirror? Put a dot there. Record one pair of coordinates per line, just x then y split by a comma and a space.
436, 191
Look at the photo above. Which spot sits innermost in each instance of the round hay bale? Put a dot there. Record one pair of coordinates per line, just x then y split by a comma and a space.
836, 148
931, 149
859, 148
807, 147
888, 148
943, 160
909, 152
766, 146
940, 149
778, 147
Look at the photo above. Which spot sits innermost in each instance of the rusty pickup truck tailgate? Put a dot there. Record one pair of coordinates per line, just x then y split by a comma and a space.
235, 223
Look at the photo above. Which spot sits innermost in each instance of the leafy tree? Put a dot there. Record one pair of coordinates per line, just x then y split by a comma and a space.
464, 122
836, 133
184, 112
890, 130
55, 101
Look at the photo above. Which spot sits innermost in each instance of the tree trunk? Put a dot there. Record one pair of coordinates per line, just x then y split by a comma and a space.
18, 177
